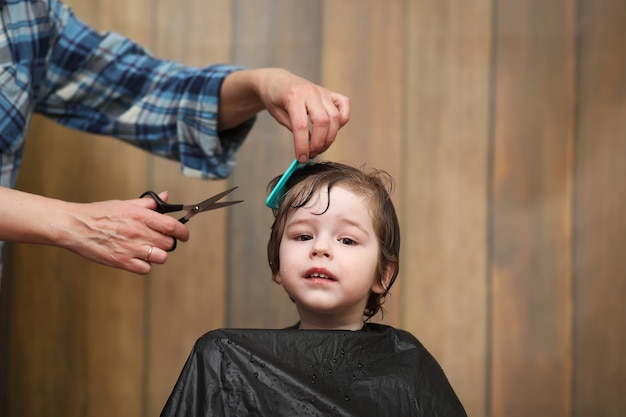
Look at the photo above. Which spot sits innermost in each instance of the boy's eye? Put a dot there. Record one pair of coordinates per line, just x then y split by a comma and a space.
303, 237
347, 241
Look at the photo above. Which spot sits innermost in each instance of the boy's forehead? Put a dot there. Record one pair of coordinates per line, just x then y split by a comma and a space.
319, 199
340, 194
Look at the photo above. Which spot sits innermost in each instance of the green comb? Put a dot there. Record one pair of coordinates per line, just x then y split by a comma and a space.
273, 200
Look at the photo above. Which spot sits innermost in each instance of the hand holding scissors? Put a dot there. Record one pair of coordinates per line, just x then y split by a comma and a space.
211, 203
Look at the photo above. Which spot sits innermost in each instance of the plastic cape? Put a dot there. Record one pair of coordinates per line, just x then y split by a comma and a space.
378, 371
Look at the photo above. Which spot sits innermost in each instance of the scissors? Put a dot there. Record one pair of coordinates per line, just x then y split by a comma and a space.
206, 205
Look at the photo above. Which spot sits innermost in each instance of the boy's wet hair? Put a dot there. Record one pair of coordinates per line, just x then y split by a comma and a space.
376, 185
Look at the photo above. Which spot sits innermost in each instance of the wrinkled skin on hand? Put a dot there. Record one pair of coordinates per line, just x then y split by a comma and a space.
120, 233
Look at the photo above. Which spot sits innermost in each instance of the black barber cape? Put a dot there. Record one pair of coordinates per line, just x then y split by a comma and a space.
378, 371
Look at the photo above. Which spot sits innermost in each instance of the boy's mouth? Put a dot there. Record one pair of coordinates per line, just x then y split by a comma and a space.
320, 275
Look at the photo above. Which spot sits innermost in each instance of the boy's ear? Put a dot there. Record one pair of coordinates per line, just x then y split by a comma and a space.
278, 279
383, 285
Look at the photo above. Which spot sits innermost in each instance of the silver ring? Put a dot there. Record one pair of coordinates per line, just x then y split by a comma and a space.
149, 254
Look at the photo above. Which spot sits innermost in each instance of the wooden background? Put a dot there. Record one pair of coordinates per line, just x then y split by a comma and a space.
504, 124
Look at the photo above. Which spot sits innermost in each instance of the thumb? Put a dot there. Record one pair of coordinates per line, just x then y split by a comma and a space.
148, 202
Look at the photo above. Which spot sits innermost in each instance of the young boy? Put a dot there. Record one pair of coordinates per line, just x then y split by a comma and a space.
334, 247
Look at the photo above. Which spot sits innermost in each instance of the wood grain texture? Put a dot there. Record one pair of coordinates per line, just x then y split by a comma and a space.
446, 133
532, 209
600, 225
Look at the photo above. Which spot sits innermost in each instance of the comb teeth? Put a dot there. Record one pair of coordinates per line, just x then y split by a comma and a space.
273, 200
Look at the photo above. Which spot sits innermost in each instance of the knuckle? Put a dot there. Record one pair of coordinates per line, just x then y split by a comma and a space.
336, 116
300, 125
322, 120
170, 225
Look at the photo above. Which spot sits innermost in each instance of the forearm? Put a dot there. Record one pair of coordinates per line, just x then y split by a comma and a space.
30, 218
240, 98
125, 234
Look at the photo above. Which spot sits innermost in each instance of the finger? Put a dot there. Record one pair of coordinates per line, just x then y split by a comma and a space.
171, 228
339, 114
167, 228
136, 262
145, 256
320, 128
148, 202
342, 104
149, 255
152, 254
299, 123
335, 123
164, 195
163, 230
137, 266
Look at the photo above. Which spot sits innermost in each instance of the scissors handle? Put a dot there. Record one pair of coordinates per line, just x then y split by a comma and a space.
163, 207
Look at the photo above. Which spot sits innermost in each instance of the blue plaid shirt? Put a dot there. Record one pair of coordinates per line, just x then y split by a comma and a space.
54, 64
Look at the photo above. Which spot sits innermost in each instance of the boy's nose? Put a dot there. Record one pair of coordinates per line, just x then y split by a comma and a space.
320, 248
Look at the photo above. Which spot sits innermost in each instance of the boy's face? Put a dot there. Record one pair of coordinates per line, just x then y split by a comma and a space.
328, 262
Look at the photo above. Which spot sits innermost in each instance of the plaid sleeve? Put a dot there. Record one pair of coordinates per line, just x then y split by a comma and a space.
107, 84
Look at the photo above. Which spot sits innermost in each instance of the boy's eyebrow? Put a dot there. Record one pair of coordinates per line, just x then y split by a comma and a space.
353, 223
306, 221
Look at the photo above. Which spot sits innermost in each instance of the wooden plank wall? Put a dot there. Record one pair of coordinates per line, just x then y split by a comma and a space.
531, 274
599, 291
503, 123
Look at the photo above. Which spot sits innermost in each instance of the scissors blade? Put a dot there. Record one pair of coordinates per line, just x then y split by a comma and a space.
210, 204
221, 204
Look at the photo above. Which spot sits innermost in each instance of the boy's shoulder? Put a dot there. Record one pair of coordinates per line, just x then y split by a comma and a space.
374, 337
371, 332
384, 329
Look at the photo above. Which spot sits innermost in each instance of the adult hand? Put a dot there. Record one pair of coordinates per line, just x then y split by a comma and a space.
293, 101
128, 235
